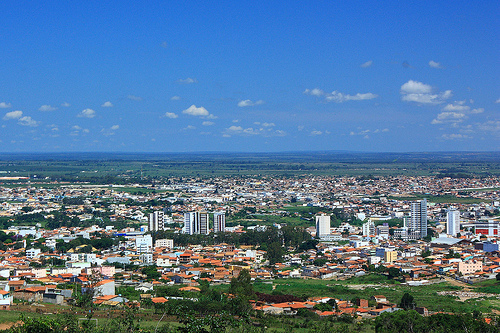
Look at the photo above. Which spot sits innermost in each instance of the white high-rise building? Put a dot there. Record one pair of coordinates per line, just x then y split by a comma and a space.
219, 222
196, 223
322, 225
168, 243
204, 223
418, 218
144, 244
156, 221
369, 228
452, 221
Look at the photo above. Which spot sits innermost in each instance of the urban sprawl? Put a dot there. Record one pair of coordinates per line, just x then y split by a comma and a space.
60, 238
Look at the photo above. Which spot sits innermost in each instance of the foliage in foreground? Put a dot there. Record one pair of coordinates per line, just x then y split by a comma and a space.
412, 322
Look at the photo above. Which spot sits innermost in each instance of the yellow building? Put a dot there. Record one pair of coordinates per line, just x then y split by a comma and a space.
390, 256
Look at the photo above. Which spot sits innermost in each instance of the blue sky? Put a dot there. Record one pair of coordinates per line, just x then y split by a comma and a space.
259, 76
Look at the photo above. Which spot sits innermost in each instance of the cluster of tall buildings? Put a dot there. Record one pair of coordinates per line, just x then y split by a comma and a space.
194, 222
199, 223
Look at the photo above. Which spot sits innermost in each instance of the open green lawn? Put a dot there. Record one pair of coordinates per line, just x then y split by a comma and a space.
424, 295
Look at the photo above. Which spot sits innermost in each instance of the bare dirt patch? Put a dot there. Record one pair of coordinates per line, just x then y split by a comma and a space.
6, 326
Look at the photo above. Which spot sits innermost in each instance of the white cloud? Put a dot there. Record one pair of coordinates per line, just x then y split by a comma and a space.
367, 64
457, 106
248, 102
268, 124
434, 64
171, 115
28, 121
235, 129
365, 132
475, 111
187, 81
280, 133
110, 131
315, 132
418, 92
455, 113
455, 136
236, 120
189, 127
47, 108
175, 98
87, 113
13, 115
65, 105
339, 97
208, 123
314, 92
238, 130
497, 101
449, 116
107, 104
4, 105
77, 129
490, 126
415, 87
134, 98
194, 111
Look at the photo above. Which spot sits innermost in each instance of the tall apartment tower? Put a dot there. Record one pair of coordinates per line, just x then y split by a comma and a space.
196, 223
219, 222
322, 225
204, 223
418, 218
156, 221
452, 221
369, 228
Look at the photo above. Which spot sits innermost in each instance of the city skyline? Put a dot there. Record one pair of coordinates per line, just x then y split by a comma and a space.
249, 77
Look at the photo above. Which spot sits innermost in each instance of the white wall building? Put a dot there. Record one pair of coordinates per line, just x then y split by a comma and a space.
418, 218
168, 243
452, 222
196, 223
144, 244
369, 229
219, 222
32, 253
156, 221
322, 225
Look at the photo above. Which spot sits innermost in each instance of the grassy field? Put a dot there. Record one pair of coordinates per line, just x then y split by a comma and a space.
88, 166
347, 290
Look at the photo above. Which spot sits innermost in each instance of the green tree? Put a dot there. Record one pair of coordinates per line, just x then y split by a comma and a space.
275, 253
426, 253
242, 285
407, 302
393, 272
